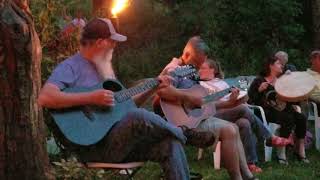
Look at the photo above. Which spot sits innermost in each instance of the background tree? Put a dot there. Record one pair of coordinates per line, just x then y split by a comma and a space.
22, 136
101, 8
316, 22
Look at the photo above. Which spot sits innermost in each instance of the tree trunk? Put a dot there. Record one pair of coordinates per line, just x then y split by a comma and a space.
316, 23
101, 8
22, 136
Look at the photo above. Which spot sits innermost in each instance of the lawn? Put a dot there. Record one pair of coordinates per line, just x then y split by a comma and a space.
271, 170
152, 171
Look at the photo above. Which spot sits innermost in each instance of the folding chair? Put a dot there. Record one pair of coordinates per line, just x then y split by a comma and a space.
130, 169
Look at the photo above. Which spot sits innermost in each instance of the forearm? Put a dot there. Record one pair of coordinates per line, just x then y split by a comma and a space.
143, 97
51, 97
173, 94
225, 104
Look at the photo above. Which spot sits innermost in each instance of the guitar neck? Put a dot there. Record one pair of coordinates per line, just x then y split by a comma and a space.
216, 96
126, 94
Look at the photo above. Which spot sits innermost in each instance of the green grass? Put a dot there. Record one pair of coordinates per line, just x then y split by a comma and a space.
271, 170
152, 171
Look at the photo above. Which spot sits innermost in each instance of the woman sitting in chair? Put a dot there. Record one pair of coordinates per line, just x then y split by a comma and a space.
212, 79
262, 93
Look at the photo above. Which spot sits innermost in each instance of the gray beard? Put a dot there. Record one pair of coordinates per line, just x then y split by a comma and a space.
103, 64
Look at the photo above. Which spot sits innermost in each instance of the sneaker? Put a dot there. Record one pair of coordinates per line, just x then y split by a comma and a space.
282, 161
302, 159
254, 169
277, 141
195, 176
198, 138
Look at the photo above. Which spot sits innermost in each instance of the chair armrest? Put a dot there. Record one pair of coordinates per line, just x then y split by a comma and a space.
315, 109
263, 115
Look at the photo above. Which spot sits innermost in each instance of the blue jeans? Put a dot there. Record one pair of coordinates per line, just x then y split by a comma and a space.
141, 136
246, 120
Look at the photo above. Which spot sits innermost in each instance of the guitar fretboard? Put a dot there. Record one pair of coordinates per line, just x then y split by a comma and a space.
217, 95
126, 94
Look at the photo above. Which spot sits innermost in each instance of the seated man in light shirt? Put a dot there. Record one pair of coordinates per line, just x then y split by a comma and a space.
315, 72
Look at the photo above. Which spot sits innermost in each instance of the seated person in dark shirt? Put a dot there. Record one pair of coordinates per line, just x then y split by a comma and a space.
262, 93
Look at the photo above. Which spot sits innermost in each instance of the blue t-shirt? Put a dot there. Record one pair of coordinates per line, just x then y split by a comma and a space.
75, 72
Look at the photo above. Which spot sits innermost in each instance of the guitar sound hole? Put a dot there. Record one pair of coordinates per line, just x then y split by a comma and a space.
196, 112
112, 86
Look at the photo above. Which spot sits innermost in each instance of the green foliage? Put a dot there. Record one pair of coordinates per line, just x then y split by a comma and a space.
50, 17
242, 33
47, 66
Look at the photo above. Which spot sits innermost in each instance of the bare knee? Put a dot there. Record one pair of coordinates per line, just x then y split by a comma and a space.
229, 131
243, 124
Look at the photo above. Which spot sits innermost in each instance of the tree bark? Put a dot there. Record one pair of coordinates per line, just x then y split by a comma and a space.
101, 8
22, 135
316, 23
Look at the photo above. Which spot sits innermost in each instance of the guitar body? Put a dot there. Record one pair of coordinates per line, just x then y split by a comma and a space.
87, 125
180, 113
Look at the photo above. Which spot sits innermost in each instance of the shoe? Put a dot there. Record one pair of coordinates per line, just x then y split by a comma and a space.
282, 161
198, 138
302, 159
254, 169
195, 176
253, 178
277, 141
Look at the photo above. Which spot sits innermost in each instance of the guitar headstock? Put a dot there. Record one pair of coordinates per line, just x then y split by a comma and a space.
188, 71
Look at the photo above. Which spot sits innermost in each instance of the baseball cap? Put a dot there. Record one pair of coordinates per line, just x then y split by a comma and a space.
101, 28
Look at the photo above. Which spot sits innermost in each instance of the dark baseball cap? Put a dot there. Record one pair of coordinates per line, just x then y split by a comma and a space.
101, 28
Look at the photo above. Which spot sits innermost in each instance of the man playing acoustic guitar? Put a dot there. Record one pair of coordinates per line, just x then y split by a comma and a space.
195, 53
140, 135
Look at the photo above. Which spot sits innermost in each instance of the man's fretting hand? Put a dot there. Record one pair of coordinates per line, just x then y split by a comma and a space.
165, 81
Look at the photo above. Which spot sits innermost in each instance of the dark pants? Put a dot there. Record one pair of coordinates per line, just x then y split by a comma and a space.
141, 136
288, 119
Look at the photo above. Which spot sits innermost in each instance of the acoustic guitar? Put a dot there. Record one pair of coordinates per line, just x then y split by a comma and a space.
182, 113
87, 125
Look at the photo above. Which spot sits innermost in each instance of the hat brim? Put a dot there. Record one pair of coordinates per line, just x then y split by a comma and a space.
118, 37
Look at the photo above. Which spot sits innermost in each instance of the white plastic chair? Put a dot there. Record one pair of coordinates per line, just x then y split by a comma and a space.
272, 127
216, 155
315, 117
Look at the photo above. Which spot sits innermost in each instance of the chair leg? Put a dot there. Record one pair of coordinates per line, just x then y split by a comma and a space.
217, 156
317, 133
316, 124
281, 152
268, 150
200, 152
